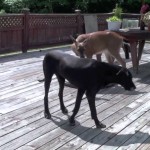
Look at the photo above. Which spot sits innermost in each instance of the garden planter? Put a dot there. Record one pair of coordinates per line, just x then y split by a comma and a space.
114, 25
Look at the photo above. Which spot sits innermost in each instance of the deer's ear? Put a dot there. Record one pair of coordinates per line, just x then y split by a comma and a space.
74, 40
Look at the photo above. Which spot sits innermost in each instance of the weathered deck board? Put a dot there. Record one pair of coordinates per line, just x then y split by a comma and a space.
23, 126
85, 116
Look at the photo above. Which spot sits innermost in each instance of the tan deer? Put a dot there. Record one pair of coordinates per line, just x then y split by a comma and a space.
99, 42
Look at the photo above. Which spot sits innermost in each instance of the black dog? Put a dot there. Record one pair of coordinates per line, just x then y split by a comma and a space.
88, 75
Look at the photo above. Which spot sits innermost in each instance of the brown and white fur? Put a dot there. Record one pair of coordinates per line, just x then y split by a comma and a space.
99, 42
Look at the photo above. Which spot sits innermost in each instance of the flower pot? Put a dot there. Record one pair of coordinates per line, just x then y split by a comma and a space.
114, 25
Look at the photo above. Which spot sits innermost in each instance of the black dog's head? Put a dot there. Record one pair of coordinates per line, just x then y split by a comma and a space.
124, 78
110, 73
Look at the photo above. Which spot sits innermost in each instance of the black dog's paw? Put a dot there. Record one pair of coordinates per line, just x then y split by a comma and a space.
72, 122
64, 111
47, 115
100, 125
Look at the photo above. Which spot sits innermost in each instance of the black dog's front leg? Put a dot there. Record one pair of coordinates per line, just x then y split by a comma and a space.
91, 100
77, 106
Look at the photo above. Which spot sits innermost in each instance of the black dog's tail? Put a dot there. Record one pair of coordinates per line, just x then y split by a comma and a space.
45, 68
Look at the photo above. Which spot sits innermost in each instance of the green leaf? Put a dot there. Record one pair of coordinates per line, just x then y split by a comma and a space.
113, 18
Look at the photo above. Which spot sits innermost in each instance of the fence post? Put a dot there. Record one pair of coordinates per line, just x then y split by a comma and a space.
25, 35
79, 27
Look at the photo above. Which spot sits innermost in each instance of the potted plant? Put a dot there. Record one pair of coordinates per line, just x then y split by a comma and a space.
114, 22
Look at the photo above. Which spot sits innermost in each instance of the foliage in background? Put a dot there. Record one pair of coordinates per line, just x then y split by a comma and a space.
116, 14
38, 6
147, 1
69, 6
2, 11
131, 6
13, 5
113, 19
117, 11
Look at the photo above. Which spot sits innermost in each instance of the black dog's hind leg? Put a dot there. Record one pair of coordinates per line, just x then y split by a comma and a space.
61, 81
77, 106
91, 100
47, 86
48, 77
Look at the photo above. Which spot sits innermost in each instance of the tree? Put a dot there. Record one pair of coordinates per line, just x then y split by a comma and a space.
131, 6
13, 6
1, 4
43, 6
69, 6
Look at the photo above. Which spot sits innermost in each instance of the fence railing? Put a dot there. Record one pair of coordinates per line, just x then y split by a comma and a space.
20, 32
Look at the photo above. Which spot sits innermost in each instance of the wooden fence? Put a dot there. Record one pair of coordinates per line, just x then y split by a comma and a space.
20, 32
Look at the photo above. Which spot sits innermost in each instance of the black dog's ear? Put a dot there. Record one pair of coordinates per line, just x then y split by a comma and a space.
125, 70
118, 72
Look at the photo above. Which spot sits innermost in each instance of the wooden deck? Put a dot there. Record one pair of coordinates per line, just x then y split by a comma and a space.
23, 126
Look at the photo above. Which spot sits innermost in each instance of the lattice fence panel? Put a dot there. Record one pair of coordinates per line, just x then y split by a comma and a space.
49, 20
51, 29
11, 21
101, 20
